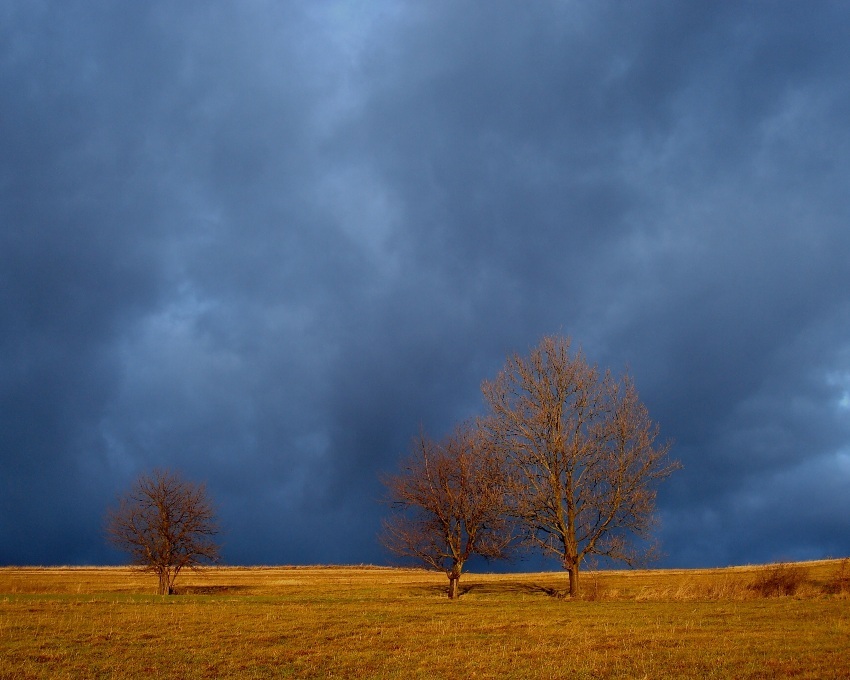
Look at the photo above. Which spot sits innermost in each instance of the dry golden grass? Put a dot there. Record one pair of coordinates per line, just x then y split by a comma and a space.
359, 622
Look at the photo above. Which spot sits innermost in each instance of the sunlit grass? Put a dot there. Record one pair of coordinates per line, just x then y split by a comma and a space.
356, 622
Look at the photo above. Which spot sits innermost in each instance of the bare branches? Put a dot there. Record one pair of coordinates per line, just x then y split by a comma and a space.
583, 453
449, 502
165, 524
567, 453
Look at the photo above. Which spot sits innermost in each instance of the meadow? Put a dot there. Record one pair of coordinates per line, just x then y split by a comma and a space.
371, 622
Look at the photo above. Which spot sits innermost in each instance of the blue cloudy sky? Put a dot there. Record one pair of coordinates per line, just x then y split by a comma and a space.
263, 242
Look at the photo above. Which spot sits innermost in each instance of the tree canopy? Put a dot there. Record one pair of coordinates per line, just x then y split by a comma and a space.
582, 452
449, 503
166, 524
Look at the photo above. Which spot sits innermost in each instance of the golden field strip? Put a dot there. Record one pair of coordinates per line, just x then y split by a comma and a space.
368, 622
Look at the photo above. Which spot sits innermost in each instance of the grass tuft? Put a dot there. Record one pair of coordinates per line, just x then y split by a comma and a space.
839, 584
779, 579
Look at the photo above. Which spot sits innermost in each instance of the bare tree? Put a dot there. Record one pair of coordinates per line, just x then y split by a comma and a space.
166, 524
448, 504
583, 453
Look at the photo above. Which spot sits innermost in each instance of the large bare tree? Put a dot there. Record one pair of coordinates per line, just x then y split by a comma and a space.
166, 524
448, 504
583, 452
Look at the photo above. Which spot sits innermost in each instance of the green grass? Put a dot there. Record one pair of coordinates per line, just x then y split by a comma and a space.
355, 622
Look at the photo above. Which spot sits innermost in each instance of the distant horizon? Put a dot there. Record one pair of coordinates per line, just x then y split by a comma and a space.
471, 570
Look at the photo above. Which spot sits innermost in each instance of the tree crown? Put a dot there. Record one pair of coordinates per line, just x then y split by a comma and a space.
164, 522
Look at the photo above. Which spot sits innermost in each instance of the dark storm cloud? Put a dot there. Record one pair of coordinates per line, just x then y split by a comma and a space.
265, 245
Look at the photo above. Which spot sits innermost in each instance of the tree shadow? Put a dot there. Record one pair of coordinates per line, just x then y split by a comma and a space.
207, 590
513, 587
495, 588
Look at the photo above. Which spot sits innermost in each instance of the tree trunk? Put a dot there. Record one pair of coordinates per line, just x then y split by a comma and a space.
453, 586
166, 587
573, 570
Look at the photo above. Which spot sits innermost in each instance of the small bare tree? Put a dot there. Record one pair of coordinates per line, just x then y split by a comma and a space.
166, 524
583, 453
448, 504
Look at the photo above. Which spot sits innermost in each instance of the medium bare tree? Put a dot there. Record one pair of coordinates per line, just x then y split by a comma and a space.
448, 504
166, 524
583, 454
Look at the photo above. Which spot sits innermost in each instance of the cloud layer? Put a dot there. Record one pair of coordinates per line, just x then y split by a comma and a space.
263, 244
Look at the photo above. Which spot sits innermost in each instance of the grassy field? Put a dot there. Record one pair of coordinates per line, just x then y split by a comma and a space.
364, 622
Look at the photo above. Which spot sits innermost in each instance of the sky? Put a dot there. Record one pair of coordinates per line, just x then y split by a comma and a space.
263, 243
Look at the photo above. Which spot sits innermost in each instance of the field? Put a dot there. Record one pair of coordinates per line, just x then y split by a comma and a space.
368, 622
